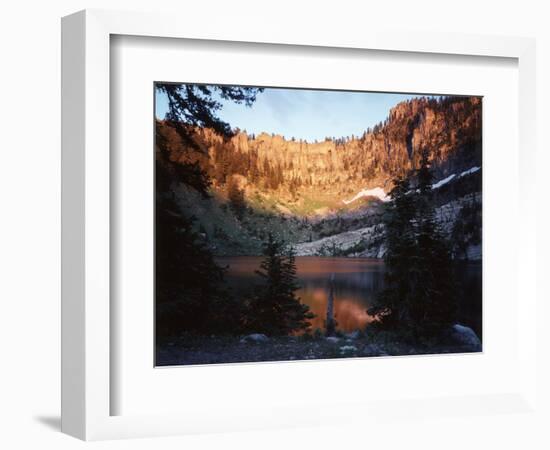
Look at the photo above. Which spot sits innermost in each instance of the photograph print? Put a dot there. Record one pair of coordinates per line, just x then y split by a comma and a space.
304, 224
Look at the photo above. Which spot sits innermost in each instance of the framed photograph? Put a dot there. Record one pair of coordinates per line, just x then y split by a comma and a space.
318, 224
243, 212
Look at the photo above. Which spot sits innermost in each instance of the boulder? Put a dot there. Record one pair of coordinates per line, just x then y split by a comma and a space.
255, 337
348, 350
465, 336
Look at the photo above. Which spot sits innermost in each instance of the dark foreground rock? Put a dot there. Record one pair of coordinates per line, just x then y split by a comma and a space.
192, 350
256, 337
465, 336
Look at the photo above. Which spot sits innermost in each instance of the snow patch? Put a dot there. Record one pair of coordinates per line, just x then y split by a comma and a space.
450, 177
469, 171
443, 181
377, 192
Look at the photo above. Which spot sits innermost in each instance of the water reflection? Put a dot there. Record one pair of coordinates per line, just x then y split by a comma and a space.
356, 282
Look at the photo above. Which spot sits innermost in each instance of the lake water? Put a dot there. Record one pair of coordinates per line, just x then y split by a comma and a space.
356, 283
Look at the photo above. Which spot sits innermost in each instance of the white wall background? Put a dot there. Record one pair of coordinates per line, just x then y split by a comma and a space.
30, 199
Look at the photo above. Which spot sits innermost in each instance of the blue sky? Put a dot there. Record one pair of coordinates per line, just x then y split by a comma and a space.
306, 114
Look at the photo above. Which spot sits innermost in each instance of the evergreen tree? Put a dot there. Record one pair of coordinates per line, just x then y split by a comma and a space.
276, 310
419, 296
189, 291
393, 304
196, 106
434, 303
189, 284
192, 106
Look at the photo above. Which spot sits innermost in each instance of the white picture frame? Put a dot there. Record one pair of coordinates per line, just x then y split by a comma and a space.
87, 386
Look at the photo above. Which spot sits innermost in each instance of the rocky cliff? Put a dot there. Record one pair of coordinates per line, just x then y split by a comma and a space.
449, 129
306, 191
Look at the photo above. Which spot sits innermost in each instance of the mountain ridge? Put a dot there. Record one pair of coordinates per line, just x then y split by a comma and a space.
449, 129
303, 191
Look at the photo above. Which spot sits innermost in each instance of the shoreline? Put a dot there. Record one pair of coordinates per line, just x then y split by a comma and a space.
201, 350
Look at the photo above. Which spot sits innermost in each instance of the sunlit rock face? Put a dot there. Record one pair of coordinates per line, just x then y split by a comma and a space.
326, 197
449, 130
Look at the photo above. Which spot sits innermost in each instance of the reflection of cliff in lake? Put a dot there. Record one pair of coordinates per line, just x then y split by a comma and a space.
356, 282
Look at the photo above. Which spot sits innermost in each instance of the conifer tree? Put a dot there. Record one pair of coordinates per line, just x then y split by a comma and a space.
434, 303
393, 305
189, 292
189, 284
276, 310
419, 296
